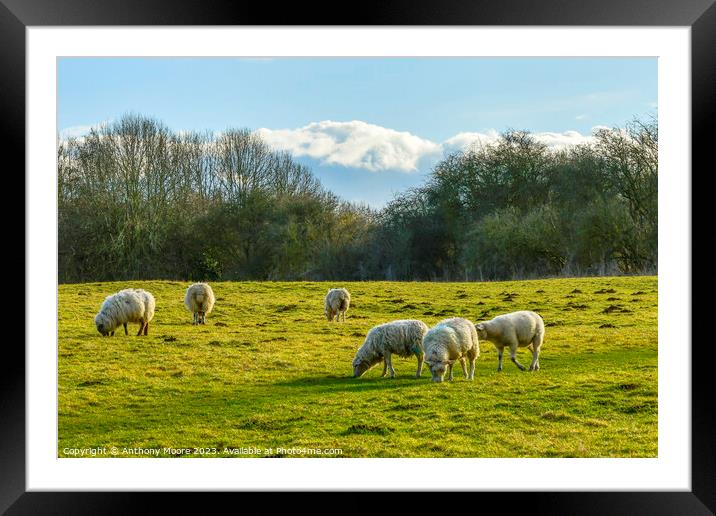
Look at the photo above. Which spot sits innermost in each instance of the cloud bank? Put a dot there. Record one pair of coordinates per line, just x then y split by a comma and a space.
358, 144
353, 144
79, 131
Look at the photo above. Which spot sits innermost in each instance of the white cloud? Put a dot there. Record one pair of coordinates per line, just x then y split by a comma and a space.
78, 131
463, 141
561, 140
361, 145
353, 144
580, 117
358, 144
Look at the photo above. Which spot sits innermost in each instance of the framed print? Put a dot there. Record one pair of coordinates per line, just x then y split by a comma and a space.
292, 218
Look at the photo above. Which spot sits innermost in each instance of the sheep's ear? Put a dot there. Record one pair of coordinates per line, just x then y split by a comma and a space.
480, 326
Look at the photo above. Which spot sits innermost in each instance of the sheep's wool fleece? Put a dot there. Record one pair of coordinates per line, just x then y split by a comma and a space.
450, 339
337, 298
126, 306
199, 298
402, 338
522, 326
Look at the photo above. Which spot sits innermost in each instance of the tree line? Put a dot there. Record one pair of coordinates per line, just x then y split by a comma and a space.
138, 201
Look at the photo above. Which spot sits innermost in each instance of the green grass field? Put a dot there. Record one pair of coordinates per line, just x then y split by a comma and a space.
268, 371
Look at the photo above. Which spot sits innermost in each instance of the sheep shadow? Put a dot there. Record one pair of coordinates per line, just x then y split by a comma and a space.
348, 383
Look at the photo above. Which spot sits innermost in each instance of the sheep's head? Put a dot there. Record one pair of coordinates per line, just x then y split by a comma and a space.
361, 366
438, 368
103, 325
481, 331
328, 314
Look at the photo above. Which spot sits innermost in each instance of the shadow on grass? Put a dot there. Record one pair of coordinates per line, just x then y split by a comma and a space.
348, 383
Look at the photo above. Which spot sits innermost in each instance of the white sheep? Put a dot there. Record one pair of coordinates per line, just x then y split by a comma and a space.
513, 330
199, 300
402, 338
336, 303
448, 341
129, 305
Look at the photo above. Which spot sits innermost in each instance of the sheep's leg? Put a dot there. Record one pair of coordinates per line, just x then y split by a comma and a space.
472, 356
112, 334
421, 358
385, 367
499, 359
146, 328
513, 356
141, 327
126, 332
464, 367
534, 366
450, 372
536, 345
389, 363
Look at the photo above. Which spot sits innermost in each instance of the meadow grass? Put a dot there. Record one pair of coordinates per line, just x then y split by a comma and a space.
269, 371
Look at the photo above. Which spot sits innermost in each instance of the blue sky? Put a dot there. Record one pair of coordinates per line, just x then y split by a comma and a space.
368, 127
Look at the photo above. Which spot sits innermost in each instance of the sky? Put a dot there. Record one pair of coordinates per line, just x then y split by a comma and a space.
368, 127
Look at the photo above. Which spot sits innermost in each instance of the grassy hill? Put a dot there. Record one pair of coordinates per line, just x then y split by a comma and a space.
269, 373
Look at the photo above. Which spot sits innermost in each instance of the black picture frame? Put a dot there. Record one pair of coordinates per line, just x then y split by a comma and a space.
17, 15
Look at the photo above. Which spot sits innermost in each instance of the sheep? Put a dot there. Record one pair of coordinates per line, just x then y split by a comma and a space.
402, 338
336, 303
128, 305
448, 341
513, 330
199, 300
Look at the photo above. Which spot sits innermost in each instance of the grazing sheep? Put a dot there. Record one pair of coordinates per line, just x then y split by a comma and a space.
336, 303
448, 341
129, 305
402, 338
199, 300
513, 330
